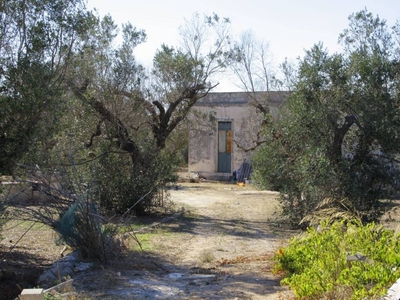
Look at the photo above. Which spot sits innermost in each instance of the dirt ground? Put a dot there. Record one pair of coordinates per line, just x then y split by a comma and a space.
26, 251
217, 242
218, 246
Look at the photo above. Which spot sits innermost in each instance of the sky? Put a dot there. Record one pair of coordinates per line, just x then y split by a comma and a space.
290, 26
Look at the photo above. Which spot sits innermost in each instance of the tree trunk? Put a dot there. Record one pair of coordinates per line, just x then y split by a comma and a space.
340, 133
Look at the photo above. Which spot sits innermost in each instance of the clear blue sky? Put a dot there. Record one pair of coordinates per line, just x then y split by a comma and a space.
290, 26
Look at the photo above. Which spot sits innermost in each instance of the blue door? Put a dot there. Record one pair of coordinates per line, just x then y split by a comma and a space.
224, 147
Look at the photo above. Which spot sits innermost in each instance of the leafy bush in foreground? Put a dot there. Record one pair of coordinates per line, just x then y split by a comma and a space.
360, 261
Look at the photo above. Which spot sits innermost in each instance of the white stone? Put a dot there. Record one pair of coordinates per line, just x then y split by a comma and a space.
393, 292
31, 294
175, 275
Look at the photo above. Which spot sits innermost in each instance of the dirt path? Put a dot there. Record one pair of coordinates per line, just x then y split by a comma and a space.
219, 247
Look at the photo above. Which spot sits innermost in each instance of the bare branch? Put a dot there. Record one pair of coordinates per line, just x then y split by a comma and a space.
121, 132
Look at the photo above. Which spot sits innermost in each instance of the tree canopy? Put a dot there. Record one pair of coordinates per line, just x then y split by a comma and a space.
37, 39
73, 95
336, 148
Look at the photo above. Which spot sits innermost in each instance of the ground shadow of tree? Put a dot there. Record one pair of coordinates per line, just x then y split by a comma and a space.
145, 275
19, 269
150, 274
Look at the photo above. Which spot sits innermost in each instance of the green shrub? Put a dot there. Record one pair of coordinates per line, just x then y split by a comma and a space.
126, 187
362, 260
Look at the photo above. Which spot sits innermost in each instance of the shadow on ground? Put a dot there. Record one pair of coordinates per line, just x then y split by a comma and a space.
19, 270
239, 228
159, 275
146, 275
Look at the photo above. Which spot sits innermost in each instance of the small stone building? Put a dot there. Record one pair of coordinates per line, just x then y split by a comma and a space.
225, 127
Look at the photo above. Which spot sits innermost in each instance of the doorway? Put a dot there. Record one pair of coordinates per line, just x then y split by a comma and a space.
224, 147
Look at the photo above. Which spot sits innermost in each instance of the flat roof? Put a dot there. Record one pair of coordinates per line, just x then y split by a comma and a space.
240, 98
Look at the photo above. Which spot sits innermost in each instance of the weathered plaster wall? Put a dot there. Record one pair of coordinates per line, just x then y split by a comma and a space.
203, 138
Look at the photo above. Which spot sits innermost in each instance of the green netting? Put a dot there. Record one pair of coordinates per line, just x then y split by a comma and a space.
66, 226
80, 228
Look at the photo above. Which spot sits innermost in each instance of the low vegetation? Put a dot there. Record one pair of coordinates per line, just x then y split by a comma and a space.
341, 261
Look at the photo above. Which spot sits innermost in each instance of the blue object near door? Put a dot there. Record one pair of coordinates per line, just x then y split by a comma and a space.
224, 147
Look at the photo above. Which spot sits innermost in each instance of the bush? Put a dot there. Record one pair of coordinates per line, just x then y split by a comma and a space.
67, 205
362, 261
126, 187
338, 135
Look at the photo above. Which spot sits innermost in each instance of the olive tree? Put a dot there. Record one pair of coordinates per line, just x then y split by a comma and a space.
36, 42
337, 146
136, 111
39, 41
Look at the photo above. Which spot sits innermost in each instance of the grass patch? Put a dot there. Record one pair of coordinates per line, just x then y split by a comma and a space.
192, 216
207, 256
149, 241
24, 225
146, 242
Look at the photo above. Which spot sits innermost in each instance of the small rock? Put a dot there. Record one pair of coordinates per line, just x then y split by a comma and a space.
355, 257
82, 267
47, 279
174, 275
200, 279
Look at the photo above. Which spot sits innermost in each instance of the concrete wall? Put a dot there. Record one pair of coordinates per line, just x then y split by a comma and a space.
203, 136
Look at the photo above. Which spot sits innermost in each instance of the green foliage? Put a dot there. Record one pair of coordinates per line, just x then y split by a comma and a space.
339, 135
269, 165
70, 95
49, 296
319, 262
175, 68
126, 188
37, 38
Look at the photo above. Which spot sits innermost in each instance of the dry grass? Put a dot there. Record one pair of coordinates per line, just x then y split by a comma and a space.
26, 251
207, 256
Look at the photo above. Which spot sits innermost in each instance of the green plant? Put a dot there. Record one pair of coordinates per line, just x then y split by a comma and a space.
48, 296
146, 242
127, 190
337, 133
322, 261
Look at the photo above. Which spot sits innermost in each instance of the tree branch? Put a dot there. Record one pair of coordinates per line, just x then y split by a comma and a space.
167, 122
124, 142
257, 144
96, 133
